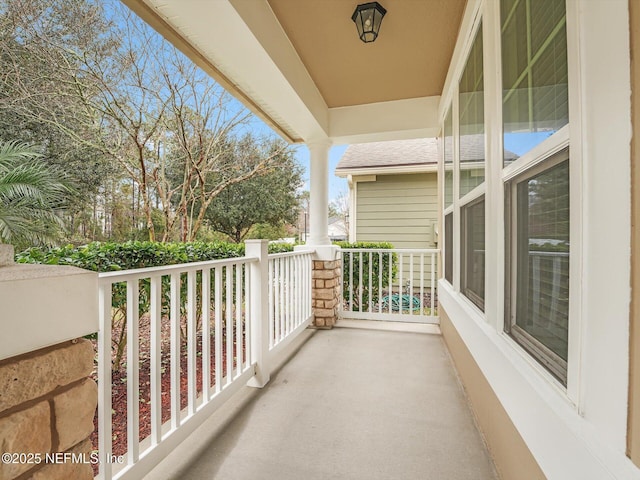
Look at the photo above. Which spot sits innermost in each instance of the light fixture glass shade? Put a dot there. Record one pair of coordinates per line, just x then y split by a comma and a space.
368, 17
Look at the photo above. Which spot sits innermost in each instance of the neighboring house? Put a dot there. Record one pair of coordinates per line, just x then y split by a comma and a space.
337, 229
393, 192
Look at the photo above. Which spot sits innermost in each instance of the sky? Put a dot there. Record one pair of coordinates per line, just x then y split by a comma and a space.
336, 185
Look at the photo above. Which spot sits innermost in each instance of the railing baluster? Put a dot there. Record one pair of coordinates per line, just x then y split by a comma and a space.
308, 279
276, 299
191, 342
390, 281
400, 283
175, 350
360, 281
296, 290
287, 297
156, 359
370, 295
272, 317
380, 257
283, 307
206, 334
249, 313
105, 446
133, 373
433, 285
422, 284
350, 281
229, 322
411, 284
238, 302
218, 328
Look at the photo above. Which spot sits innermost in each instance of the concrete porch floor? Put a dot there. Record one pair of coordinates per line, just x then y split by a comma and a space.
351, 404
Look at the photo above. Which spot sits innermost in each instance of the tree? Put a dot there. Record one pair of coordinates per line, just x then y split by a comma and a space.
41, 42
30, 194
339, 208
269, 198
98, 88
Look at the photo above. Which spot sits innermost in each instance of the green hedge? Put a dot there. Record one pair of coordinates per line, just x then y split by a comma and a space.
109, 256
353, 291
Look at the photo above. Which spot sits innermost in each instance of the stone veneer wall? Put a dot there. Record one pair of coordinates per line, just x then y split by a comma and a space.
47, 405
326, 292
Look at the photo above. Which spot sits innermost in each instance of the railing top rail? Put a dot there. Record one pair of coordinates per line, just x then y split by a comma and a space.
391, 250
542, 253
291, 254
138, 273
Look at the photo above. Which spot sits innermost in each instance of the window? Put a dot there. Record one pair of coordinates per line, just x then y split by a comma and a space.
535, 107
534, 73
471, 102
448, 160
472, 254
470, 174
538, 306
448, 247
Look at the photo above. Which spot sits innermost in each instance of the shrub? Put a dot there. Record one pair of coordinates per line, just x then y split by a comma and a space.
109, 256
379, 272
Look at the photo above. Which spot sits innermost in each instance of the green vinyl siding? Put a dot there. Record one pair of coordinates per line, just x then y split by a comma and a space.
402, 210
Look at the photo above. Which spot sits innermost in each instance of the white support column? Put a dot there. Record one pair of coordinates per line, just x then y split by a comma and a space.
259, 311
319, 189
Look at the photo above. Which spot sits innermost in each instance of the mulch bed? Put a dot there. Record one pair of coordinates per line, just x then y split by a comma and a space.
119, 383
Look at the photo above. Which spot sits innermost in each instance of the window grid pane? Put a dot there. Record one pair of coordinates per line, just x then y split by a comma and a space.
448, 247
448, 159
471, 101
473, 252
542, 266
534, 72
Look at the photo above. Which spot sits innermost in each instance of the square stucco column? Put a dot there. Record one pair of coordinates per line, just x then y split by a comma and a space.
47, 400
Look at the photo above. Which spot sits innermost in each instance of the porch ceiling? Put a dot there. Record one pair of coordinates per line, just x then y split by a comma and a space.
300, 66
409, 59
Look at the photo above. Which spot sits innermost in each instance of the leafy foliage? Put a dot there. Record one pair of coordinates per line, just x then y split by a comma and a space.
109, 256
269, 198
30, 193
379, 266
101, 257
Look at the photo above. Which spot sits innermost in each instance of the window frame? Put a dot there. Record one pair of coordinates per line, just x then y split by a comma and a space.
548, 359
476, 299
448, 247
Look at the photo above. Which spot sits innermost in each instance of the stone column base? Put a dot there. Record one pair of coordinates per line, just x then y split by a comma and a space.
47, 404
326, 292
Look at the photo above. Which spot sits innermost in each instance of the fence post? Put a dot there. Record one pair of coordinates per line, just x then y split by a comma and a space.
259, 311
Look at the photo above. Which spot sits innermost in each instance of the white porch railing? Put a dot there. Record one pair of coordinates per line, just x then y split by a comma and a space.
207, 316
290, 308
389, 284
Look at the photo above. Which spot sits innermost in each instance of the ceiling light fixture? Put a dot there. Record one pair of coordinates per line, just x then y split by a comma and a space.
368, 17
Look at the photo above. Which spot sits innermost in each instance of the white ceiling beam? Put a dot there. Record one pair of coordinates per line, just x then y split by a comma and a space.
376, 122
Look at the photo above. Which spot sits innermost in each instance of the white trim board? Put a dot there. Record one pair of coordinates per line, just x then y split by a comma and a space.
565, 445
